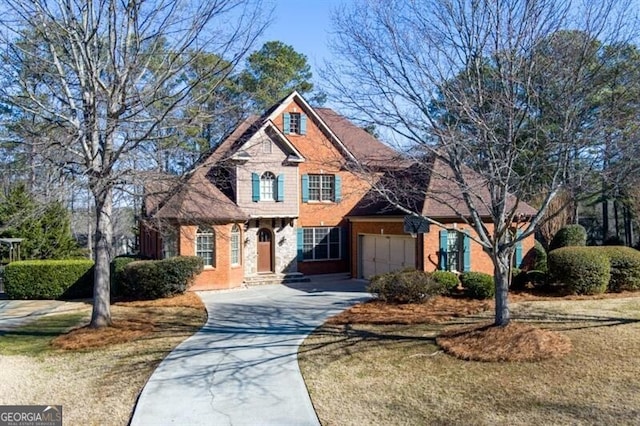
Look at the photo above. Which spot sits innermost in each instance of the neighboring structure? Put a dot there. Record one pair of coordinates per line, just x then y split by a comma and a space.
284, 195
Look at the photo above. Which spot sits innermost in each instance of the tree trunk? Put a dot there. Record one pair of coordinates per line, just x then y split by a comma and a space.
101, 315
501, 277
605, 220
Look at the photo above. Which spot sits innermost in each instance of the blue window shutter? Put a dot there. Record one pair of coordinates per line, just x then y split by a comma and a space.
300, 233
517, 258
286, 123
280, 194
442, 258
303, 124
255, 187
337, 189
305, 188
344, 242
466, 255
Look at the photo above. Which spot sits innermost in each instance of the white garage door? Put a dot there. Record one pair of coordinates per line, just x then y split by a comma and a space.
382, 253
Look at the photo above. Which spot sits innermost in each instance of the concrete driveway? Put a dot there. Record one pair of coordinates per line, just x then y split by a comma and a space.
241, 368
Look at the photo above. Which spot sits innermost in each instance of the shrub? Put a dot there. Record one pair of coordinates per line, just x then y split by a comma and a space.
447, 278
613, 241
478, 285
625, 267
405, 287
153, 279
583, 270
539, 257
49, 279
117, 271
569, 236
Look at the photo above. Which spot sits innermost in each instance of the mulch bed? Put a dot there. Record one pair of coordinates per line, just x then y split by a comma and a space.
514, 342
132, 320
435, 310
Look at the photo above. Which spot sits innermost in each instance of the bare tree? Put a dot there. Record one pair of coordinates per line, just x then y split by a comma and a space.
109, 74
494, 89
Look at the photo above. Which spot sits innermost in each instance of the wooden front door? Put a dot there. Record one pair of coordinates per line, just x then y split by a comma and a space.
265, 247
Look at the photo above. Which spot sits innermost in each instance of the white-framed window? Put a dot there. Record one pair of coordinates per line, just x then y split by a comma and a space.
169, 244
206, 245
454, 251
294, 122
268, 186
321, 243
321, 188
235, 245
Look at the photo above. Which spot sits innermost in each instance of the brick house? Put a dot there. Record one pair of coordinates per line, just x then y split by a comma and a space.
280, 197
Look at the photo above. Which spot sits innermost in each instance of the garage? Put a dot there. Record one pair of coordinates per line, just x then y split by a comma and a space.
385, 253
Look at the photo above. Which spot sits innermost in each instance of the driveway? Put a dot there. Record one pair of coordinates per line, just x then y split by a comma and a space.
241, 368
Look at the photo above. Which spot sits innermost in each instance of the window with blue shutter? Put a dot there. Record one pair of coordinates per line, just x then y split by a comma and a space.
300, 245
466, 252
442, 253
280, 191
286, 123
303, 124
337, 195
517, 257
255, 187
305, 188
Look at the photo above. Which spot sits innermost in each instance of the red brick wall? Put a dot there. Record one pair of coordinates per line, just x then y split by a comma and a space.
480, 261
322, 157
150, 242
221, 276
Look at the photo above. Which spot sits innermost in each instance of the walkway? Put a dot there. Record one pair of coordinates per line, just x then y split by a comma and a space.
14, 313
241, 368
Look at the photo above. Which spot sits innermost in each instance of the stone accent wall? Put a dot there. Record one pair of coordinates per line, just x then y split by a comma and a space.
284, 245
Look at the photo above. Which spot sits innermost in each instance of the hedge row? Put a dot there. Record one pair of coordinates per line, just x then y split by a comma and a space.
592, 270
153, 279
49, 279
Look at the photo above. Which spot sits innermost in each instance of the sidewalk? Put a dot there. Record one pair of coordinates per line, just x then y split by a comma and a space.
14, 313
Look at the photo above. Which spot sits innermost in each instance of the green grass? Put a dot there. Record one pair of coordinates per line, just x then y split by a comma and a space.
35, 338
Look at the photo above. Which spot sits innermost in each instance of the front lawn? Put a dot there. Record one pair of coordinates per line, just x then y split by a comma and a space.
96, 375
371, 374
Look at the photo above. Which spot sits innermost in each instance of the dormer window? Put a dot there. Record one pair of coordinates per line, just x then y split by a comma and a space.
294, 123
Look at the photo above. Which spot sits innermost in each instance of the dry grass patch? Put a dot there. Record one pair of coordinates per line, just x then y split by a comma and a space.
514, 342
99, 383
371, 374
435, 310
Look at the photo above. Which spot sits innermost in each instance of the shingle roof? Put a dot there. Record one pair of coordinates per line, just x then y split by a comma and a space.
365, 147
429, 187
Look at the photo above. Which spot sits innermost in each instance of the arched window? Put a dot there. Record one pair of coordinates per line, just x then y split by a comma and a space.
235, 245
268, 186
206, 245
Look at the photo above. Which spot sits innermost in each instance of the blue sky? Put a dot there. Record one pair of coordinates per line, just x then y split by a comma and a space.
305, 25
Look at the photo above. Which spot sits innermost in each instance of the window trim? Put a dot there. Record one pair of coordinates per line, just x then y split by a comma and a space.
235, 238
315, 243
268, 180
201, 233
321, 178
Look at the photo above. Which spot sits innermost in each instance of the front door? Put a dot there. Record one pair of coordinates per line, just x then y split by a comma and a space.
265, 255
